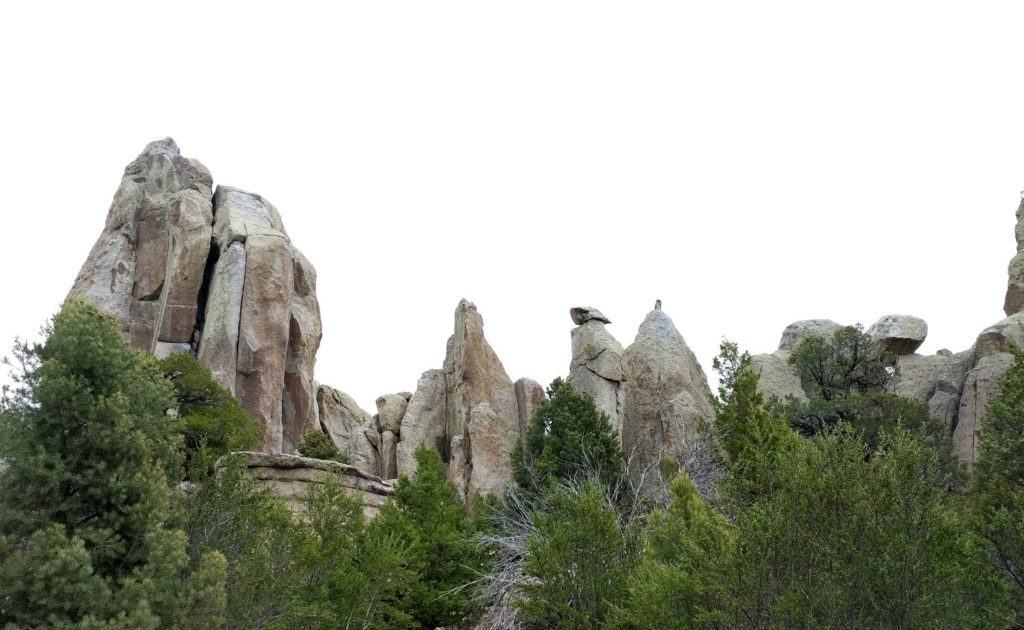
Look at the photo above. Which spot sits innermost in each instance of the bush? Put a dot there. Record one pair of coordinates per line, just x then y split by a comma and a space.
568, 439
210, 420
428, 518
318, 445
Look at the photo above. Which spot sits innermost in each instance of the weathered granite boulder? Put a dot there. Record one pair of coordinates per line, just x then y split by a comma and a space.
147, 266
798, 331
529, 396
899, 334
184, 268
936, 380
1003, 336
424, 421
582, 314
353, 431
596, 366
291, 477
390, 411
666, 398
482, 422
776, 377
980, 386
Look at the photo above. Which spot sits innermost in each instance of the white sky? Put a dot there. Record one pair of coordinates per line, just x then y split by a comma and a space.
749, 163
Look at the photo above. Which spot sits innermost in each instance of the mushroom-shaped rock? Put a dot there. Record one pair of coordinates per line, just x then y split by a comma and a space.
583, 314
899, 334
596, 367
666, 398
798, 331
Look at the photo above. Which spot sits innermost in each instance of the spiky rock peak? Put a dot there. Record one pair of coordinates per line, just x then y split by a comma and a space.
187, 269
666, 399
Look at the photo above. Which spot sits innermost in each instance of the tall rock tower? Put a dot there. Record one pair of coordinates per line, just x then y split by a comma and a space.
188, 269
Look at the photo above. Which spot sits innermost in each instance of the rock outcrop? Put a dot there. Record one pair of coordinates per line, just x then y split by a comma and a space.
1014, 301
184, 268
666, 399
596, 367
424, 422
353, 431
482, 423
899, 334
291, 478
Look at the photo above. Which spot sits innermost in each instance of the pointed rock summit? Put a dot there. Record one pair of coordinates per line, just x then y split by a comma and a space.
666, 399
188, 269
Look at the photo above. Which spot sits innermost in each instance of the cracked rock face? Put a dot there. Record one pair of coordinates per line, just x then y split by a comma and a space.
185, 268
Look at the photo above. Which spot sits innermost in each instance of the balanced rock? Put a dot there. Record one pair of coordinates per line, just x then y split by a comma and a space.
596, 366
666, 398
184, 268
583, 314
899, 334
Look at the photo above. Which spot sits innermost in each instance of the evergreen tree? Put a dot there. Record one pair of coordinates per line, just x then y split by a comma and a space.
998, 485
568, 439
210, 420
580, 556
318, 445
86, 503
427, 516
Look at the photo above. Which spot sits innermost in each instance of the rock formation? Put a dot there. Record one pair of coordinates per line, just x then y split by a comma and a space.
899, 334
666, 400
596, 366
184, 268
1014, 301
291, 477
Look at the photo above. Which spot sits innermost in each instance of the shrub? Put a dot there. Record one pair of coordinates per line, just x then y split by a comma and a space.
318, 445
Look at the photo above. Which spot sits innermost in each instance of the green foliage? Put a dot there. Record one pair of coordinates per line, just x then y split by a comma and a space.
210, 419
997, 493
751, 437
580, 556
85, 533
428, 518
318, 445
568, 439
230, 514
846, 380
356, 574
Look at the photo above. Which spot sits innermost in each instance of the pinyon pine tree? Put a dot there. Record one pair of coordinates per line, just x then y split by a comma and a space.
86, 503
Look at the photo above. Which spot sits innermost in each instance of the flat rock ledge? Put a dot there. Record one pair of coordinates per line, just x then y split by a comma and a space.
290, 477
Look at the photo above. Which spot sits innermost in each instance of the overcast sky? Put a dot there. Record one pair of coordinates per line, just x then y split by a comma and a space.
751, 164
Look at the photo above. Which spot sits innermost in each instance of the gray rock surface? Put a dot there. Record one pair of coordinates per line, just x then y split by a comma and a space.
184, 268
776, 377
424, 421
482, 421
980, 386
798, 331
596, 367
666, 398
899, 334
290, 478
352, 430
391, 409
936, 380
1014, 301
583, 314
529, 396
